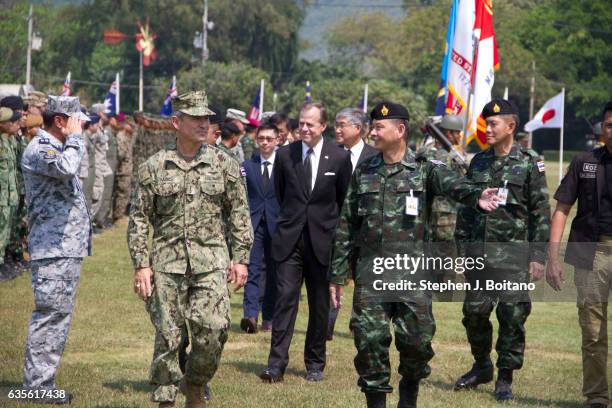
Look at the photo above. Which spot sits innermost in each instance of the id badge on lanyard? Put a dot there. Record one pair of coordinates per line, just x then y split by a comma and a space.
412, 205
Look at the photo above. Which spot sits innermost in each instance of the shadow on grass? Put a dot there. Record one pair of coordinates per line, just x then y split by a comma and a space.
129, 386
258, 368
235, 328
517, 399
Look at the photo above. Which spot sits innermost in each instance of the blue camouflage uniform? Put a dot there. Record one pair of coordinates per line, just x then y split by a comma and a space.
60, 236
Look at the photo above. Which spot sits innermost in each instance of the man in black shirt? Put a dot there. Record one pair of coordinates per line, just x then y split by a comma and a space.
589, 250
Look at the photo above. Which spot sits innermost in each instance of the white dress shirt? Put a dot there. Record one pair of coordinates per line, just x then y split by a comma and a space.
269, 160
355, 152
315, 157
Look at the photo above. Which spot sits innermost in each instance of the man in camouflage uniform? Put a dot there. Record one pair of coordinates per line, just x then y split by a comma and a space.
60, 236
102, 218
444, 210
230, 135
9, 194
123, 176
523, 217
87, 173
380, 190
183, 192
102, 168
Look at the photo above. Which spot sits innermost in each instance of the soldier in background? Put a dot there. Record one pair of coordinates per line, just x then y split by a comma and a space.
522, 217
214, 128
443, 209
230, 135
87, 170
123, 176
32, 124
238, 118
386, 213
9, 194
522, 139
102, 219
183, 191
102, 169
60, 236
249, 146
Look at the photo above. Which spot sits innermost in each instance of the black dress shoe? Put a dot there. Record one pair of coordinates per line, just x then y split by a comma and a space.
314, 375
376, 399
597, 405
479, 374
271, 376
408, 391
206, 392
249, 325
503, 390
50, 399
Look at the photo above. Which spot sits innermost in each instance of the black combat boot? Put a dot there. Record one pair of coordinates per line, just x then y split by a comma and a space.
503, 385
376, 399
481, 373
409, 391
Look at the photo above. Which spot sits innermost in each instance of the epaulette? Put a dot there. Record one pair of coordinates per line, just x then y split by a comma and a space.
43, 140
437, 162
530, 152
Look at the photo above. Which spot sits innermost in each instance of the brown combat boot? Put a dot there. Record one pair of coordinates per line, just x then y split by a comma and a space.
193, 394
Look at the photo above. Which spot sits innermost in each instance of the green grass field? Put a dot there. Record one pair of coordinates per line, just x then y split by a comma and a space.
110, 346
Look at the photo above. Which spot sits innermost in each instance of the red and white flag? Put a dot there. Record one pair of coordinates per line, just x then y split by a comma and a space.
66, 91
550, 116
486, 62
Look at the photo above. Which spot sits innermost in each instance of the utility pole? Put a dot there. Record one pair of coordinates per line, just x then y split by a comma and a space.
29, 53
205, 33
531, 97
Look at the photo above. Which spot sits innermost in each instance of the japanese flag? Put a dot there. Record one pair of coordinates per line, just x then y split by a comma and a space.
550, 116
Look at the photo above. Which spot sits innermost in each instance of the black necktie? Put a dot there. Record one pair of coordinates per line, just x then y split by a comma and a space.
266, 176
308, 171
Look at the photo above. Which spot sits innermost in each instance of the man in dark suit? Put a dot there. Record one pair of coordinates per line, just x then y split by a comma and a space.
261, 284
311, 179
351, 129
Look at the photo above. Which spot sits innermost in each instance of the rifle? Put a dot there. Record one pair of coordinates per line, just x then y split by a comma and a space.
431, 129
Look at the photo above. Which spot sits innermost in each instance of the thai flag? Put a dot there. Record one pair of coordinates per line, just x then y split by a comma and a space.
450, 33
110, 102
254, 116
166, 109
66, 91
308, 96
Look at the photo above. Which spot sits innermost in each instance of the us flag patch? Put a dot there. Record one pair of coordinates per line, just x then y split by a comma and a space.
540, 166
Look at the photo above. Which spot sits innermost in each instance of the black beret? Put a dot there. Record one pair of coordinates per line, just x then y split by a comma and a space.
389, 110
14, 102
499, 107
217, 118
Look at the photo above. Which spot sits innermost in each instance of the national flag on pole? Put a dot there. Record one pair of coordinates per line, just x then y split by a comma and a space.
460, 60
172, 93
450, 33
67, 91
254, 116
110, 102
486, 62
308, 97
549, 116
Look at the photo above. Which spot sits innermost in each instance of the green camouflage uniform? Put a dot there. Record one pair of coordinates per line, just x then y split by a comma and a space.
373, 224
184, 202
9, 191
248, 147
522, 225
229, 151
443, 218
19, 225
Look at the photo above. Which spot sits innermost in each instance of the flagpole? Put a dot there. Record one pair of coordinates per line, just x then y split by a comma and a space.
29, 52
531, 101
506, 93
261, 98
470, 94
365, 99
141, 87
561, 139
274, 101
118, 97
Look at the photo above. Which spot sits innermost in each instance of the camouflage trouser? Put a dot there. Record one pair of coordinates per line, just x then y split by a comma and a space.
97, 194
54, 282
19, 231
510, 344
106, 201
414, 330
5, 229
203, 301
121, 196
594, 288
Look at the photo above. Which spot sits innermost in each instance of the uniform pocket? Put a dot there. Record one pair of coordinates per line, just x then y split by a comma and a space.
167, 197
368, 193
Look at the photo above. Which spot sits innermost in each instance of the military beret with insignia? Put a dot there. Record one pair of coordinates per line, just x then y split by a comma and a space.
499, 107
389, 110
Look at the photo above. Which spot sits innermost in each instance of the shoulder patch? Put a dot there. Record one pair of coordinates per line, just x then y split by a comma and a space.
49, 154
541, 166
437, 162
144, 174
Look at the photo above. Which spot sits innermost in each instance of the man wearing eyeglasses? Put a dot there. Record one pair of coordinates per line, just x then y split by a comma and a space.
260, 289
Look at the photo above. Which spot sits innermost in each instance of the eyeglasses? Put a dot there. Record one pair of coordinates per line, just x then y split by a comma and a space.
342, 125
266, 139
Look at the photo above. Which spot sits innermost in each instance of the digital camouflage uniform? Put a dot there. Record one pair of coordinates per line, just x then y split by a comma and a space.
443, 217
184, 202
9, 193
373, 224
522, 226
102, 170
103, 214
60, 236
